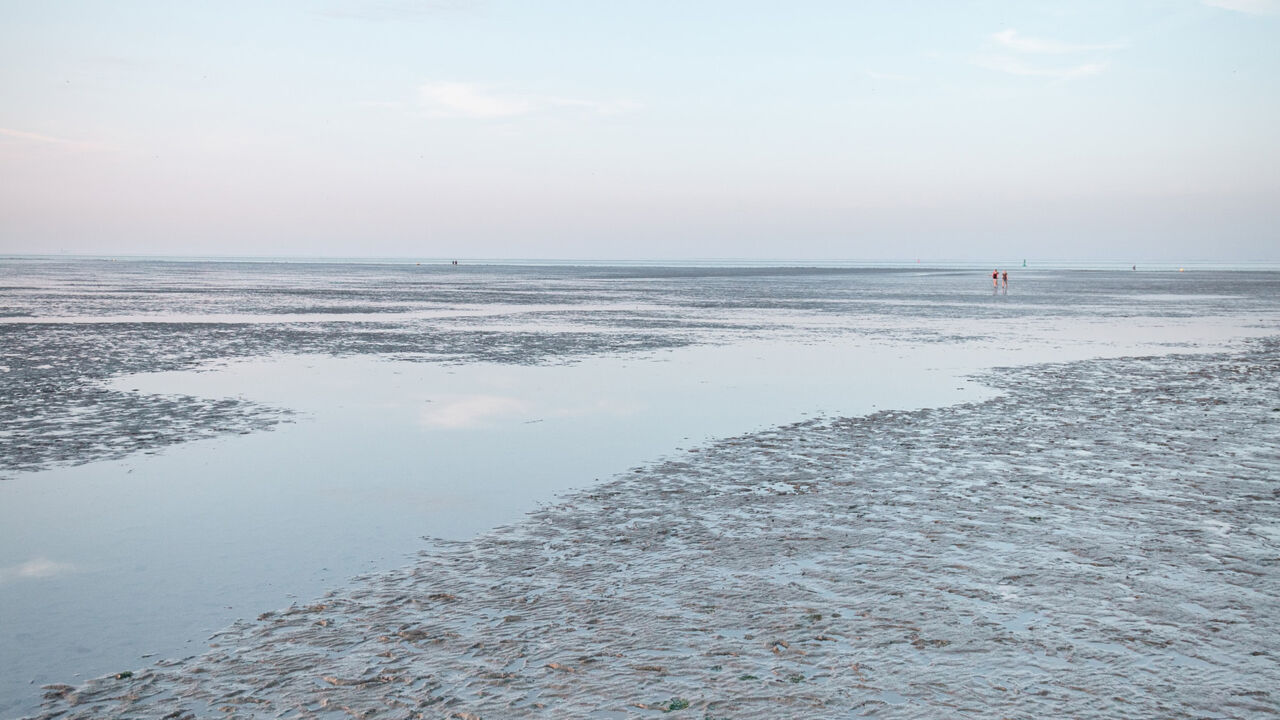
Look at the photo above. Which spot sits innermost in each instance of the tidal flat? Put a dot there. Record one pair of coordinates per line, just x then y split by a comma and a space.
922, 499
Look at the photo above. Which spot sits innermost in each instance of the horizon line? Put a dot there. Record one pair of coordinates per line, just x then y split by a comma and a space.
1028, 263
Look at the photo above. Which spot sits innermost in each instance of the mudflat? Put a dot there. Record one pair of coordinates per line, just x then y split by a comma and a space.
1100, 540
820, 492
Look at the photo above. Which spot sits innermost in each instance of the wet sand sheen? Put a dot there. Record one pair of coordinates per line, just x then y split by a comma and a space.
1100, 541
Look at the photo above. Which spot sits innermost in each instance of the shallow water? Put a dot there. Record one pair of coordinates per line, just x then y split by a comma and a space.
147, 549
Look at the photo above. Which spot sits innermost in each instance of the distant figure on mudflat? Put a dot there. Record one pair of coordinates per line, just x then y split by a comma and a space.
995, 279
1004, 277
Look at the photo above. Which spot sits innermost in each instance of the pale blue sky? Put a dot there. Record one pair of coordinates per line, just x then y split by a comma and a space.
1141, 129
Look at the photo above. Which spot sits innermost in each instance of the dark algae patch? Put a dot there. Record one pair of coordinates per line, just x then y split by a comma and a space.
676, 703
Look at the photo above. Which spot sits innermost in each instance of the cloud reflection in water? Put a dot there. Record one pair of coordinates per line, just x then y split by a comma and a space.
471, 411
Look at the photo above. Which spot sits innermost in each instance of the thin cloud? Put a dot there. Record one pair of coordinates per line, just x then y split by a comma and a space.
1012, 40
470, 101
1251, 7
1014, 66
1024, 47
50, 140
466, 100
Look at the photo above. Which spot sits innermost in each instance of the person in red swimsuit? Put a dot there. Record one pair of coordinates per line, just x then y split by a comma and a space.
1004, 277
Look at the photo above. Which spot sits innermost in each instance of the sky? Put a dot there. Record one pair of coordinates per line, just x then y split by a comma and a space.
654, 129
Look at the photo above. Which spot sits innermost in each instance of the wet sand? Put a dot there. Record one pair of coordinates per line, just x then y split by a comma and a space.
1101, 540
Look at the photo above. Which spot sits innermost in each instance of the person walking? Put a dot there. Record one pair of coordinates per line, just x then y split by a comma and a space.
995, 279
1004, 277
